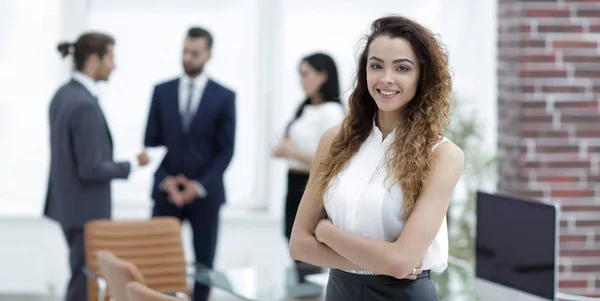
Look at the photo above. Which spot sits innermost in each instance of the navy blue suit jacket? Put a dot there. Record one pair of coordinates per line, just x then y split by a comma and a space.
204, 152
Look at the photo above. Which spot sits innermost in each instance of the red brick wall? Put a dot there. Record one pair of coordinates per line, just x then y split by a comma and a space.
549, 121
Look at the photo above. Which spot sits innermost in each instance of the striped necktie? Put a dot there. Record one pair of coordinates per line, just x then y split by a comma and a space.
188, 114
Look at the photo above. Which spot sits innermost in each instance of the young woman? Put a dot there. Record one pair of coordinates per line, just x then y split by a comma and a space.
386, 175
319, 111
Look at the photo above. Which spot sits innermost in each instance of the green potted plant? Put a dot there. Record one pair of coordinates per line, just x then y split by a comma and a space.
480, 169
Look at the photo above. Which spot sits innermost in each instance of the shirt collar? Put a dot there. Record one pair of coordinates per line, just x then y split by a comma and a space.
87, 82
198, 81
379, 135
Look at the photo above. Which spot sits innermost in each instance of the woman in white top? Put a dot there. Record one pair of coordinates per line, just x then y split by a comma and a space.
385, 176
320, 110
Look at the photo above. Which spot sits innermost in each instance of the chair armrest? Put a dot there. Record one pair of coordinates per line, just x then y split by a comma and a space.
99, 279
88, 272
194, 264
179, 295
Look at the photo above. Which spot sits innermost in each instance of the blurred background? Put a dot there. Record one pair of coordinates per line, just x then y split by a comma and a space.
526, 83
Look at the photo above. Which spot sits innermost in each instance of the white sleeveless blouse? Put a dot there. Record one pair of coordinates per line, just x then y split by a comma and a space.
358, 202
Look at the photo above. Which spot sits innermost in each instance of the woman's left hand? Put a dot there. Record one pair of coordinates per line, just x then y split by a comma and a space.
415, 272
321, 228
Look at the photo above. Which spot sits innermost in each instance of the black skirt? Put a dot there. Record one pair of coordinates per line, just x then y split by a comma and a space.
343, 286
296, 183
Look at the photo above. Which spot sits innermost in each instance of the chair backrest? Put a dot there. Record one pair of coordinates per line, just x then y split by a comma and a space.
154, 246
139, 292
117, 273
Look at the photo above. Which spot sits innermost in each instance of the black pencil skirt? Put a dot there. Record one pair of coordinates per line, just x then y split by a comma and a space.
296, 183
344, 286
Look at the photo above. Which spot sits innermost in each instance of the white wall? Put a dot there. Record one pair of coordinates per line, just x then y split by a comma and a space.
29, 32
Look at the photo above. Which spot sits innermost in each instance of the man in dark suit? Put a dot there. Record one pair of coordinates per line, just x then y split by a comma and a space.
82, 165
194, 117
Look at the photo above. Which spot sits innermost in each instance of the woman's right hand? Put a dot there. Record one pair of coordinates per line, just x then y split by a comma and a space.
278, 151
282, 150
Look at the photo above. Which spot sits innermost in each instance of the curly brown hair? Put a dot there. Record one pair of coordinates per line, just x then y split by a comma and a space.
424, 120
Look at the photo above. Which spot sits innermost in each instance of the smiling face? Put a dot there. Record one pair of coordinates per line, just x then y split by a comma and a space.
393, 73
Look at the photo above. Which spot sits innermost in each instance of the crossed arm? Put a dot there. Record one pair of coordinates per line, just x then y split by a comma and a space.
337, 249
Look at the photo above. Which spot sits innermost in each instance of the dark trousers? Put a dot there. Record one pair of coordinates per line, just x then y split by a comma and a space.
343, 286
204, 220
77, 287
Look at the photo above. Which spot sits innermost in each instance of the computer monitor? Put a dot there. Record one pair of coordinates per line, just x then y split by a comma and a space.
516, 249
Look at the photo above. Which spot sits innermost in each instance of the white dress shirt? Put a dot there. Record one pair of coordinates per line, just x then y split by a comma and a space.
87, 82
184, 86
306, 131
90, 85
363, 203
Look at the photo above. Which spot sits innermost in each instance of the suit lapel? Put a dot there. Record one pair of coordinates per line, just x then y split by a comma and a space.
107, 129
172, 105
94, 100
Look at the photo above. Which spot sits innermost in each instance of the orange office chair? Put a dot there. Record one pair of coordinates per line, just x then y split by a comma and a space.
153, 246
